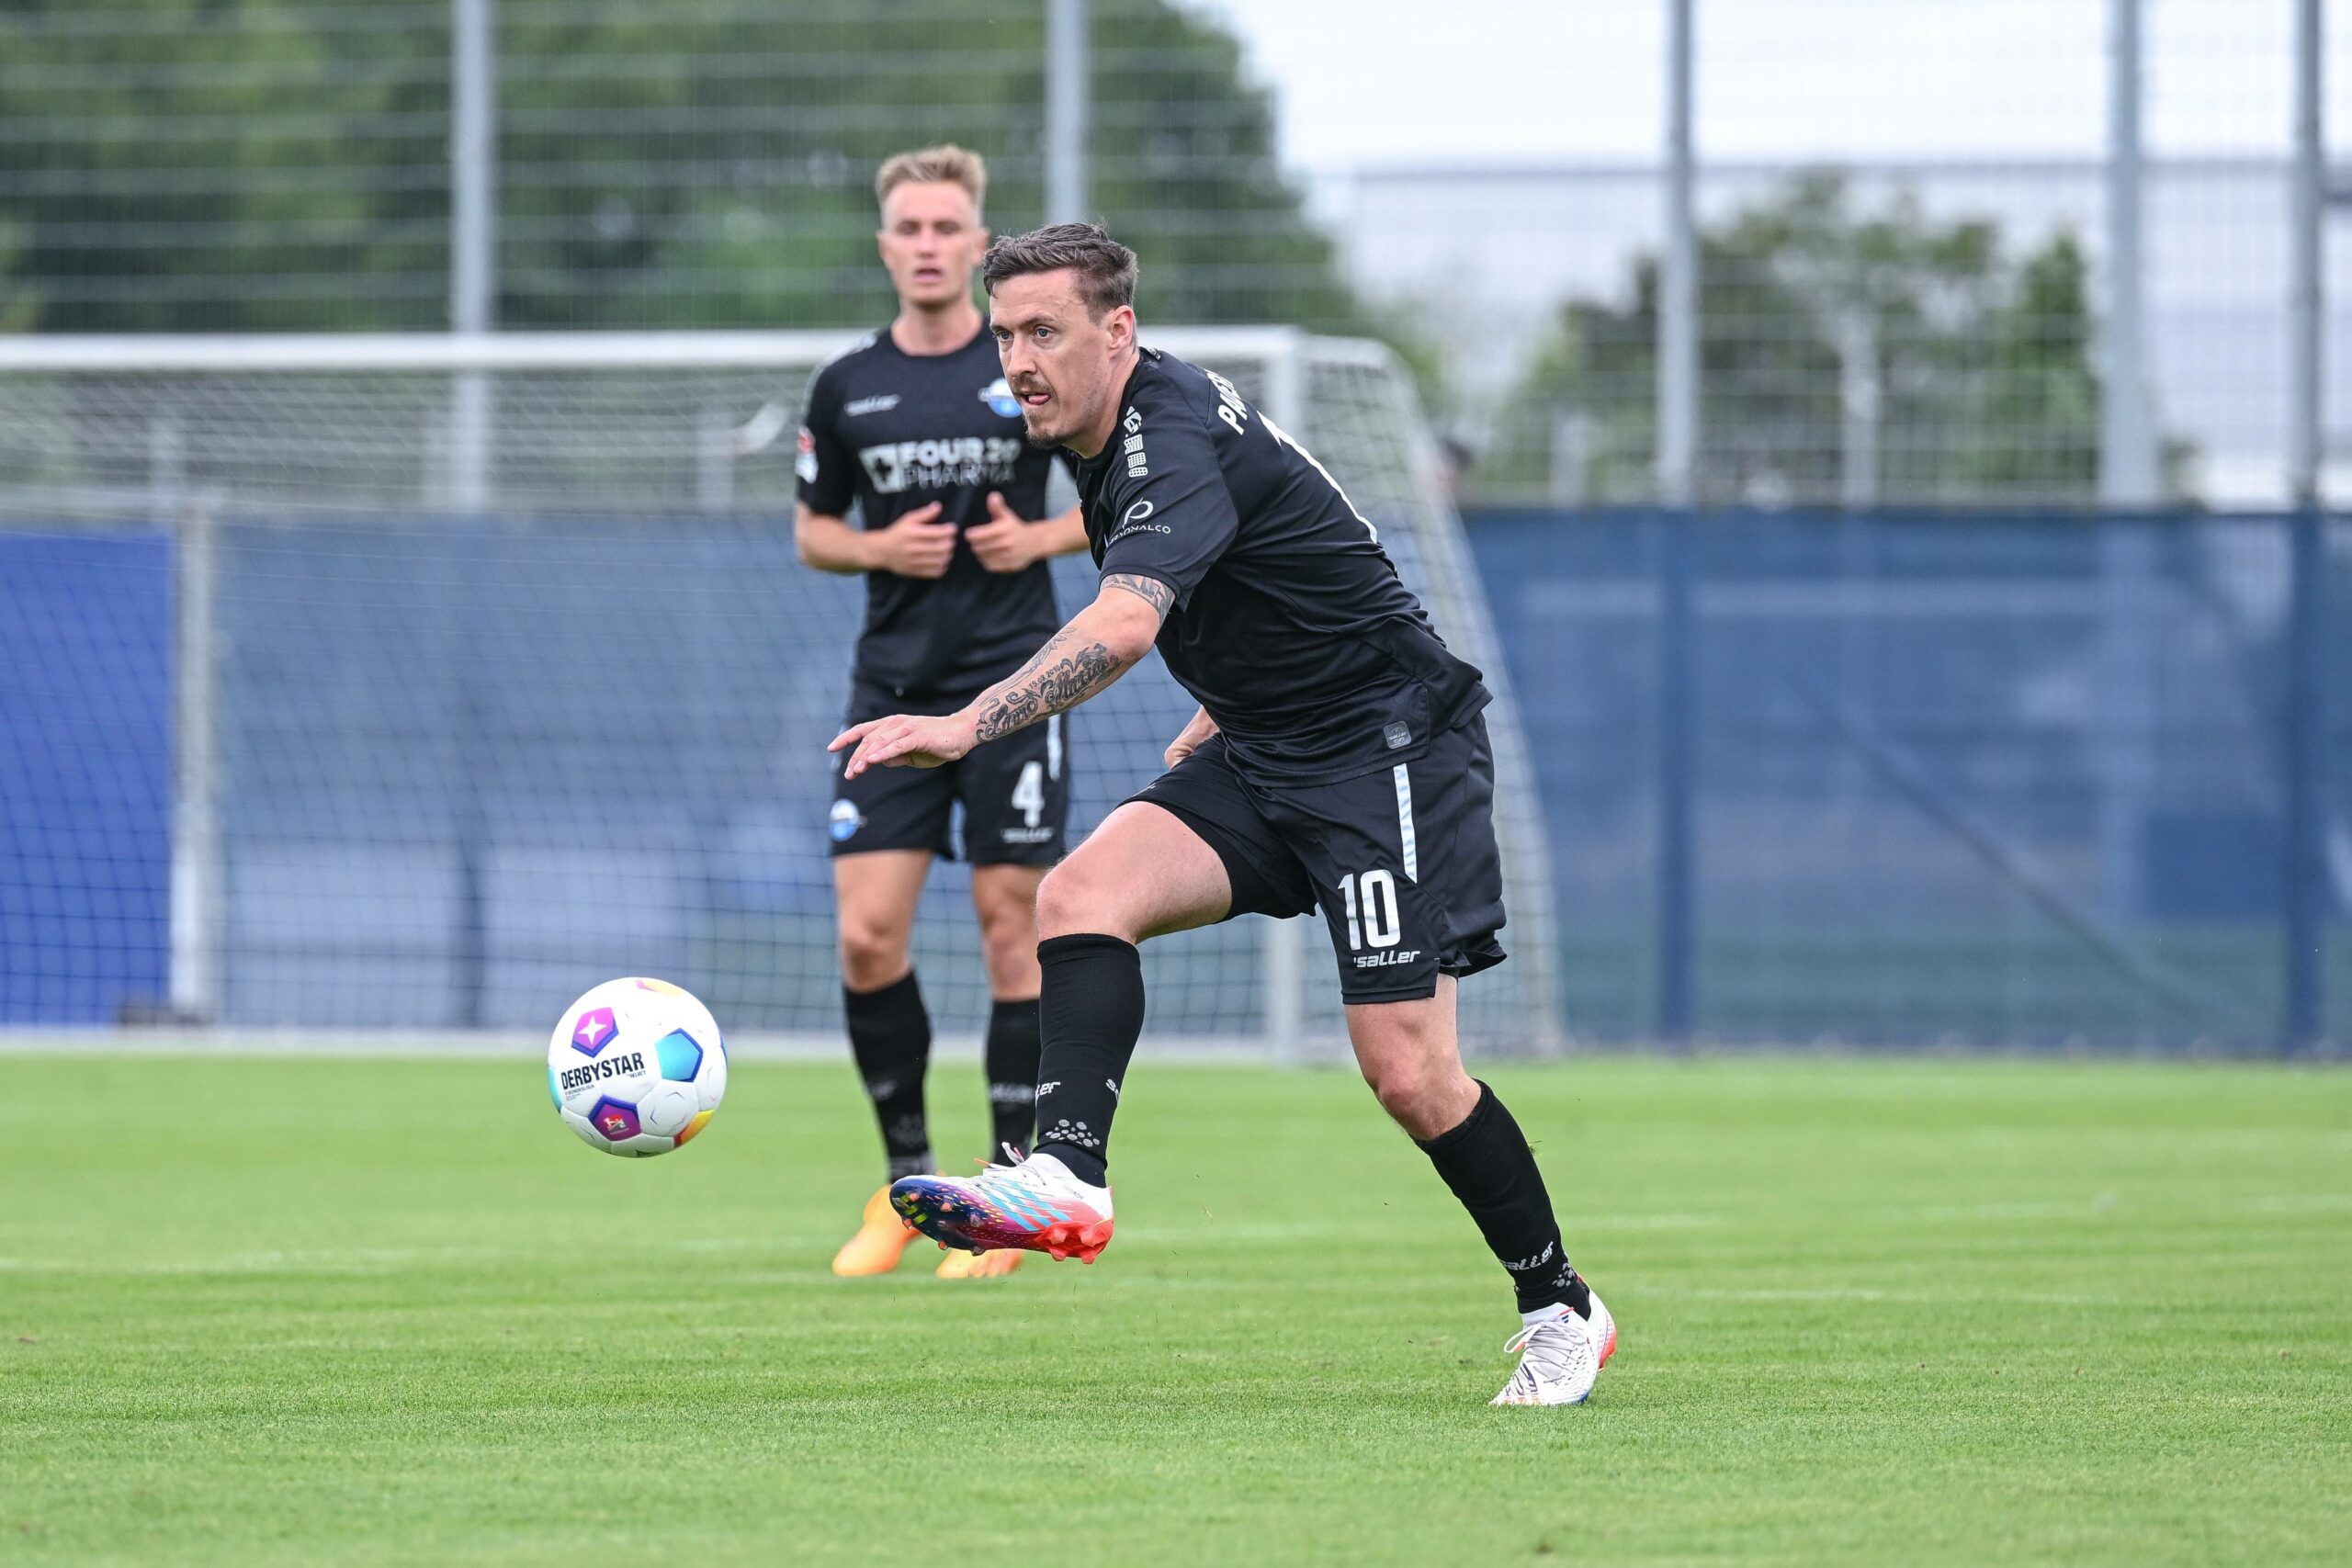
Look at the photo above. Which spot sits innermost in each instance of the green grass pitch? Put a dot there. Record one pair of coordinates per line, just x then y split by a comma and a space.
308, 1310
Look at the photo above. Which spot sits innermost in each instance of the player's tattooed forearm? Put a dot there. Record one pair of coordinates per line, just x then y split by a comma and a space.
1151, 590
1047, 684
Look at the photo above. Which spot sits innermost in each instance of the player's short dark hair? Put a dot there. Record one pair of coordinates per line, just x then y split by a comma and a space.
1105, 268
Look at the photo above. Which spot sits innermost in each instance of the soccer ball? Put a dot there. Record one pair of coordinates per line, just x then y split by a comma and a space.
635, 1067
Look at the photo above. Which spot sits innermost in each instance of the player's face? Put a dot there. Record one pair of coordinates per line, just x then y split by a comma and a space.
931, 240
1064, 365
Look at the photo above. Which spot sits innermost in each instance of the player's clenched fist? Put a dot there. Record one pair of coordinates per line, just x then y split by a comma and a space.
916, 545
904, 740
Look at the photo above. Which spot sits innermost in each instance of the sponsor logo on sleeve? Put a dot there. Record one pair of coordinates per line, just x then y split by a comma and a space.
1135, 523
805, 465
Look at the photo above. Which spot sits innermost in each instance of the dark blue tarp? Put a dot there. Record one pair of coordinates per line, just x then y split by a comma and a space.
85, 756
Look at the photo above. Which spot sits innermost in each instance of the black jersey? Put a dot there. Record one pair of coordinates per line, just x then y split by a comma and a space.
895, 430
1290, 624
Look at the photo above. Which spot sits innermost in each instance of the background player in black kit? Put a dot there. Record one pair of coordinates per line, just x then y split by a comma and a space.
1338, 759
916, 424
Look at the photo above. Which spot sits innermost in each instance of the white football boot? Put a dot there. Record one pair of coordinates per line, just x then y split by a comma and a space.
1560, 1356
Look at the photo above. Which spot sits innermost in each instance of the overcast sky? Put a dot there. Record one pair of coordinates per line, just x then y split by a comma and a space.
1388, 82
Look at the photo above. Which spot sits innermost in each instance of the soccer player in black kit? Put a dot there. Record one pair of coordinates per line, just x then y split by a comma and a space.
916, 424
1339, 759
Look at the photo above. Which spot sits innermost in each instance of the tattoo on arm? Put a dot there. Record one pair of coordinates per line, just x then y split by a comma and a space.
1055, 679
1151, 590
1066, 672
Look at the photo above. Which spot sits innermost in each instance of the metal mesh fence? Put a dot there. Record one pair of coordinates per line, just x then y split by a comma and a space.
1904, 210
442, 765
1927, 779
272, 167
1909, 295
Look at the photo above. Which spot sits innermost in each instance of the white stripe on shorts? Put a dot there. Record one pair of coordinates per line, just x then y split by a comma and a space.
1053, 745
1405, 821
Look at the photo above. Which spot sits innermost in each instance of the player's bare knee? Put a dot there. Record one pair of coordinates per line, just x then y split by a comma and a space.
1426, 1096
1007, 917
1075, 897
1403, 1089
872, 954
1008, 949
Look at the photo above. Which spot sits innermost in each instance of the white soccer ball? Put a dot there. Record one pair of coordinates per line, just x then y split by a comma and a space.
637, 1067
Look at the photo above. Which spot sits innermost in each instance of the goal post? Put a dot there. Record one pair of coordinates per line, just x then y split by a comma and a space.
467, 719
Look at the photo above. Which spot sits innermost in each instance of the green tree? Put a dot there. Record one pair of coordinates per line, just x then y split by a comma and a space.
1980, 366
230, 165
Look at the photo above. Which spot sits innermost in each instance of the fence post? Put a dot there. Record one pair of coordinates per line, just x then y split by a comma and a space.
198, 903
2128, 469
2306, 880
1678, 303
1285, 957
1069, 57
473, 228
1677, 657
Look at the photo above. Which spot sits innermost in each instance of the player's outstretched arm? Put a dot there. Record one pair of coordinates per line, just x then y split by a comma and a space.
1101, 643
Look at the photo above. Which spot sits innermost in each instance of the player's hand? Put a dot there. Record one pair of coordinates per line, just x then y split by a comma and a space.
916, 545
1194, 734
1003, 543
904, 740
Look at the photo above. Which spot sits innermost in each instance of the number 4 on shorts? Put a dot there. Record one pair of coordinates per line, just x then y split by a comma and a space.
1029, 793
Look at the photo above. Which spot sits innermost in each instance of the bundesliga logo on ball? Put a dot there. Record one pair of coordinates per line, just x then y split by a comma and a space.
637, 1067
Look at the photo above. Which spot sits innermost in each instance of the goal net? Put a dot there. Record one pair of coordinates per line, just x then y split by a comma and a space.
416, 684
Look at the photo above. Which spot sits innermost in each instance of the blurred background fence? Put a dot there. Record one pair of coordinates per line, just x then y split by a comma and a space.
1945, 250
1982, 352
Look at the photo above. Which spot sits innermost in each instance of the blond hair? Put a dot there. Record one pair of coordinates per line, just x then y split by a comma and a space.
944, 164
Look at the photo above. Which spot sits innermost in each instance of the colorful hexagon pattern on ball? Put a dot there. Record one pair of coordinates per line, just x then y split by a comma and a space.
680, 1057
614, 1119
635, 1066
665, 1109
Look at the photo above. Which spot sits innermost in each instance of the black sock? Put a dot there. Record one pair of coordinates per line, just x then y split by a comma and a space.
1487, 1162
889, 1035
1011, 1065
1089, 1014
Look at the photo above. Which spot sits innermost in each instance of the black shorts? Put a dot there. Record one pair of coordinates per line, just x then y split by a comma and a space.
1015, 793
1403, 863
